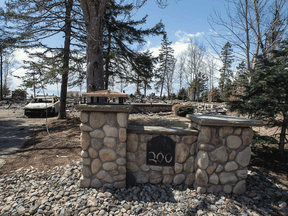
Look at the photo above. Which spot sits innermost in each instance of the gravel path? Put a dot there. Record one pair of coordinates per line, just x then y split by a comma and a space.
56, 192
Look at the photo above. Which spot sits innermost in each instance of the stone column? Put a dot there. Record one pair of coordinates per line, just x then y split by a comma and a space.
223, 152
103, 140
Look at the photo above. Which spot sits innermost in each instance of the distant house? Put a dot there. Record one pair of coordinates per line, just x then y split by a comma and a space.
74, 94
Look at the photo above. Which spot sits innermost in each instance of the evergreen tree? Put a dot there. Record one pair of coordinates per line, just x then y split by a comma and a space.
119, 34
166, 64
267, 96
199, 84
226, 73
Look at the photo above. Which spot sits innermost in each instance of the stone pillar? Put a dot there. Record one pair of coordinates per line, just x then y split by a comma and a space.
223, 152
103, 140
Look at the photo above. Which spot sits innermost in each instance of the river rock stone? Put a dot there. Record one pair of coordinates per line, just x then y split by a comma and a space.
189, 139
110, 166
96, 165
101, 174
99, 134
141, 157
122, 169
119, 177
86, 171
92, 153
143, 147
122, 119
247, 136
205, 147
84, 117
132, 167
156, 168
232, 155
96, 144
201, 177
242, 173
240, 187
182, 153
193, 149
107, 154
225, 131
202, 159
132, 143
178, 168
168, 171
227, 178
85, 127
217, 142
219, 155
145, 168
121, 161
189, 165
85, 140
230, 166
121, 149
84, 154
108, 178
142, 177
219, 168
122, 134
96, 183
227, 189
111, 119
84, 182
214, 189
243, 157
110, 142
211, 168
238, 131
130, 157
97, 119
167, 179
190, 179
233, 142
178, 179
86, 161
205, 134
144, 138
121, 184
214, 179
110, 131
155, 177
175, 138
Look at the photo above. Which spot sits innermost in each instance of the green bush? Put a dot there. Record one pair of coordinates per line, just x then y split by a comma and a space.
184, 110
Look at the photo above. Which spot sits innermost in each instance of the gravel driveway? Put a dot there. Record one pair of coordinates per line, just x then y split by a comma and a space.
15, 129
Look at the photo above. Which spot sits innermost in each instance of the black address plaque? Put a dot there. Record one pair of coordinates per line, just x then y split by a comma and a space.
160, 151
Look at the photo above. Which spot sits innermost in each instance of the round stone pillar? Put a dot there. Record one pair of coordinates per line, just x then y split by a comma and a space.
223, 152
103, 141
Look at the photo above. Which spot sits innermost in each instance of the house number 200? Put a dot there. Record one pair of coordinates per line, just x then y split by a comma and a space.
160, 157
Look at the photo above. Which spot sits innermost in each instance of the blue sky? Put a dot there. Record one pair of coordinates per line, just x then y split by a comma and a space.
183, 19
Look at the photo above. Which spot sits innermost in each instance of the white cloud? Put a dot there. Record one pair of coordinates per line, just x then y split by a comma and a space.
148, 44
184, 37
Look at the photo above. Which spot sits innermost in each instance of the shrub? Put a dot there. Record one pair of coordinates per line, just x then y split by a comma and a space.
184, 110
182, 94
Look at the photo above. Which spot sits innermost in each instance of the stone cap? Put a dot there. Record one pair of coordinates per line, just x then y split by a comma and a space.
104, 108
105, 93
161, 130
221, 120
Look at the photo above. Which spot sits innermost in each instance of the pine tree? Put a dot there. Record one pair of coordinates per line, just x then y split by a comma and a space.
226, 73
267, 96
119, 35
166, 64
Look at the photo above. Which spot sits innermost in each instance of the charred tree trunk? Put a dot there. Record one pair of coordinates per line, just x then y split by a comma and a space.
93, 11
66, 57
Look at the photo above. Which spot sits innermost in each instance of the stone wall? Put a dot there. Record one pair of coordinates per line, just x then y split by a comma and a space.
223, 154
139, 107
182, 173
103, 140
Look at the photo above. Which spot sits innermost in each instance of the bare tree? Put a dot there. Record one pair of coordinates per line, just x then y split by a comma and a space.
181, 67
254, 27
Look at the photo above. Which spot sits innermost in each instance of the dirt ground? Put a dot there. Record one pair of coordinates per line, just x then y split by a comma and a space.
43, 152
